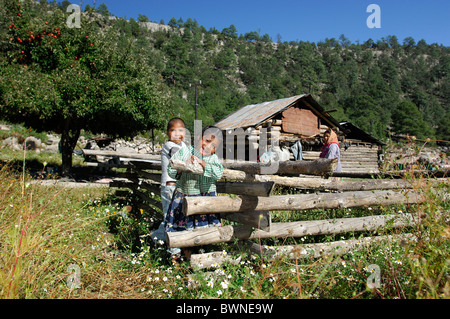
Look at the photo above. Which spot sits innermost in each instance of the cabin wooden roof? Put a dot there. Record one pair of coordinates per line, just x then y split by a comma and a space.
353, 132
254, 114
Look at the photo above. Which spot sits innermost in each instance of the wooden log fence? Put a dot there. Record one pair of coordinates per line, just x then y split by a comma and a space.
227, 204
317, 250
337, 185
252, 201
313, 167
255, 219
215, 235
153, 157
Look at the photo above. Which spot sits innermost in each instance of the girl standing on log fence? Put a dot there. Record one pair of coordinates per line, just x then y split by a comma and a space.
194, 184
176, 130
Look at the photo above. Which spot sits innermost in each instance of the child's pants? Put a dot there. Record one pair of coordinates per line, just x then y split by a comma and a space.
166, 196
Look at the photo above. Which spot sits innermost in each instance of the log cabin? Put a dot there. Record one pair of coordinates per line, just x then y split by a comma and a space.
280, 124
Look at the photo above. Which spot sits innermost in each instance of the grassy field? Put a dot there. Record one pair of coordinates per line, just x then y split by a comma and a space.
93, 242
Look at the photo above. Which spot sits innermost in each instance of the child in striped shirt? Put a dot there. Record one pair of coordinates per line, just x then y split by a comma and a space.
189, 184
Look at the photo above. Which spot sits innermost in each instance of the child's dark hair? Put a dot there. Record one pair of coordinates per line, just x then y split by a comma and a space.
174, 120
214, 131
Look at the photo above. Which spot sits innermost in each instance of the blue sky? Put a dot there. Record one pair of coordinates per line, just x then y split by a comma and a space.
299, 20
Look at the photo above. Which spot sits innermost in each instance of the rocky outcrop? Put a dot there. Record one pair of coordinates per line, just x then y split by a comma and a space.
411, 157
138, 145
12, 142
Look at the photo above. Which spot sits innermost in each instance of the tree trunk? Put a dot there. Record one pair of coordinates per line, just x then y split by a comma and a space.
69, 138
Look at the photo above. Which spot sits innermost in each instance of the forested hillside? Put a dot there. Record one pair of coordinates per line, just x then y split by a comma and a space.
400, 85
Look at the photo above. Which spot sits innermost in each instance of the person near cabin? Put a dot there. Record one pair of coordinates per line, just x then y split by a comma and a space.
330, 148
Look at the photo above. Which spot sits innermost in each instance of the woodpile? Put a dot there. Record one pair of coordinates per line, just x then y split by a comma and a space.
354, 159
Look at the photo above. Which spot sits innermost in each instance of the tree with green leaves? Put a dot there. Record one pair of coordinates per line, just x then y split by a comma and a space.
143, 18
103, 10
407, 119
231, 32
63, 79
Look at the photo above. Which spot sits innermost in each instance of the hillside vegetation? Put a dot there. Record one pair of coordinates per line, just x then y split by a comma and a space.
399, 85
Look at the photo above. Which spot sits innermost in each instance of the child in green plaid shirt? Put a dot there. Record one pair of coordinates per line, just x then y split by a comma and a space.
189, 184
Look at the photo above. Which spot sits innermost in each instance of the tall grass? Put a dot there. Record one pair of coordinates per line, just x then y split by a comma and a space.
46, 232
428, 256
42, 231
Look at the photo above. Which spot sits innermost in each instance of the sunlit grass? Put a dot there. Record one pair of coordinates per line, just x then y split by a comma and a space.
45, 230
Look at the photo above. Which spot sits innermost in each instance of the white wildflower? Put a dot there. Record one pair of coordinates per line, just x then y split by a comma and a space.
224, 284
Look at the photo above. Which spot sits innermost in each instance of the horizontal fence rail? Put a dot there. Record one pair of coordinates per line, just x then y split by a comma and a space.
227, 204
214, 235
